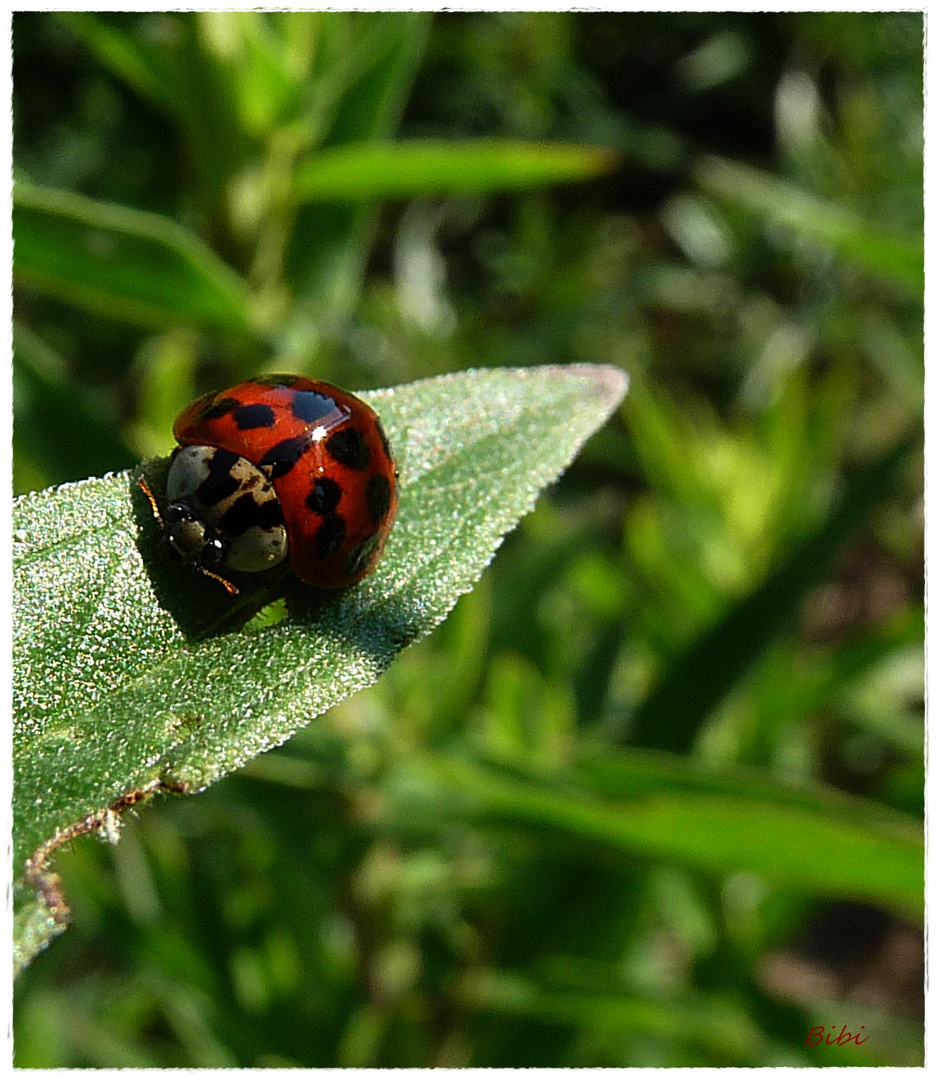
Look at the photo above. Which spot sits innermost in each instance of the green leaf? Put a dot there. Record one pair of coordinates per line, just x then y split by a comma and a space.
245, 44
670, 716
170, 59
134, 57
57, 425
421, 168
639, 805
123, 263
373, 62
369, 83
896, 259
112, 695
719, 1027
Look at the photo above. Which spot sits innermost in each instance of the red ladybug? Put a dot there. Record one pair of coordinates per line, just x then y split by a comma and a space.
277, 468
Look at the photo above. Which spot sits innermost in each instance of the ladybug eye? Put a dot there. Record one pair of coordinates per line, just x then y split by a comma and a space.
213, 551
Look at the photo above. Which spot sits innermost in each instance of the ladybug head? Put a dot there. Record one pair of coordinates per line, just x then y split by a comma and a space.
191, 538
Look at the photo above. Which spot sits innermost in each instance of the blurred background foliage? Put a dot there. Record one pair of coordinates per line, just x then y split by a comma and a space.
727, 585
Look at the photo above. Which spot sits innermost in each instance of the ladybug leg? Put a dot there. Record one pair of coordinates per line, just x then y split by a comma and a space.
233, 590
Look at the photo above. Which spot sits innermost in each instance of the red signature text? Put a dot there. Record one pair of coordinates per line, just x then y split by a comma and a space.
815, 1038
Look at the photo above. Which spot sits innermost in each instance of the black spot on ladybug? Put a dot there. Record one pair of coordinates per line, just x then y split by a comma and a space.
219, 407
349, 448
377, 497
220, 483
311, 407
325, 496
249, 417
362, 556
246, 513
330, 536
281, 458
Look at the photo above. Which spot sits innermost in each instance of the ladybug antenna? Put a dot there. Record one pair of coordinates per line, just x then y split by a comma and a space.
145, 488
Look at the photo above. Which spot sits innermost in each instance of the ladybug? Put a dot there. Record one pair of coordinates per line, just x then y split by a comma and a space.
280, 468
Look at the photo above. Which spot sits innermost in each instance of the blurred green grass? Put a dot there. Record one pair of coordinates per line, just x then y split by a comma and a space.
725, 591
